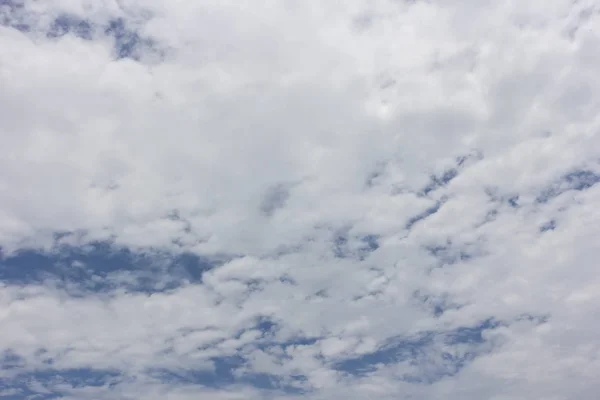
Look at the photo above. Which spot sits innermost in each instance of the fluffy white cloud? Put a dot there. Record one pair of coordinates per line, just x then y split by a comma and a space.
397, 198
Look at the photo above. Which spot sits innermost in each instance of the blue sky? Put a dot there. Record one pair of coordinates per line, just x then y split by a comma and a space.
292, 200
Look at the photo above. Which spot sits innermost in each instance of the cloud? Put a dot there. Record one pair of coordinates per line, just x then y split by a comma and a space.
290, 200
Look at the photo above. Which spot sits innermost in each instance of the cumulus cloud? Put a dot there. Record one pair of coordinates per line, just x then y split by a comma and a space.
385, 199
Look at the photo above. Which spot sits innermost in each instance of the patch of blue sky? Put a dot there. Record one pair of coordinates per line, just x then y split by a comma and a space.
128, 43
127, 39
436, 304
227, 371
427, 213
12, 15
421, 351
101, 267
548, 226
54, 384
66, 24
449, 254
578, 180
440, 180
345, 245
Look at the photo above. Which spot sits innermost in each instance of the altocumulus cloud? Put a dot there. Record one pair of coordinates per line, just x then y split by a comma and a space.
290, 200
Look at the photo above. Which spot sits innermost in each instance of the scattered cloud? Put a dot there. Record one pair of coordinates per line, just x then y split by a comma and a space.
289, 200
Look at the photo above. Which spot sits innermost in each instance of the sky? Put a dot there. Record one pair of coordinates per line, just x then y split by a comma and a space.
368, 199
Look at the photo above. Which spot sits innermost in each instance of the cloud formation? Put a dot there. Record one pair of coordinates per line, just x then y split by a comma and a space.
282, 199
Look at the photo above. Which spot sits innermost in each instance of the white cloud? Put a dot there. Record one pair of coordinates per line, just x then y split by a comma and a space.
376, 176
